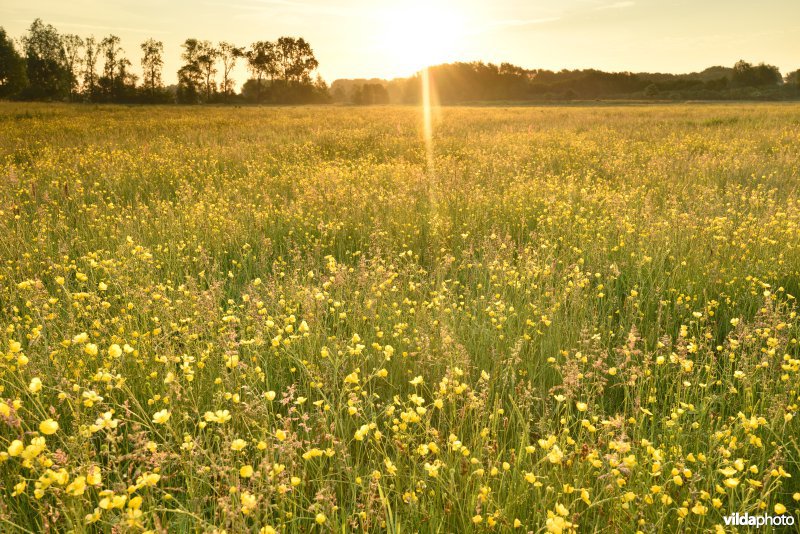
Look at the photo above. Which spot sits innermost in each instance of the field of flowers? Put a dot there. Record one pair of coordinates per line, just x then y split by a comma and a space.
288, 320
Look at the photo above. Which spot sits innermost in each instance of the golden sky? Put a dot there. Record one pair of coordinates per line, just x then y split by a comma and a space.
375, 38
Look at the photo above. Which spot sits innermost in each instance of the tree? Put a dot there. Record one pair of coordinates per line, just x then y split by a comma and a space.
262, 62
117, 83
111, 50
746, 75
46, 69
651, 90
13, 78
91, 53
71, 48
229, 54
369, 94
198, 71
793, 78
207, 60
295, 60
152, 63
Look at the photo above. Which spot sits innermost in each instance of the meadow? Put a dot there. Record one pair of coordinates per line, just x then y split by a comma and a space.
567, 319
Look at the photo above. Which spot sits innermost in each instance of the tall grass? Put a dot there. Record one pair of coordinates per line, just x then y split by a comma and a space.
256, 319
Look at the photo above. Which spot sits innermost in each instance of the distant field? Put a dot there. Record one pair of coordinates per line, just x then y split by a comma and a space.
284, 319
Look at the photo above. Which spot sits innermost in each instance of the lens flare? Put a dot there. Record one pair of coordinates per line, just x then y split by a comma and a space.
427, 118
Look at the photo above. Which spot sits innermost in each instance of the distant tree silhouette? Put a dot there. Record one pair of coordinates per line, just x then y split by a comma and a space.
229, 54
262, 61
71, 48
288, 63
793, 78
112, 54
761, 75
46, 69
206, 61
369, 94
13, 78
295, 60
152, 63
190, 75
90, 55
117, 84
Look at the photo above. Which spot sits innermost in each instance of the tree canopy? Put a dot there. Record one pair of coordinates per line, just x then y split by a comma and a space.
55, 66
13, 76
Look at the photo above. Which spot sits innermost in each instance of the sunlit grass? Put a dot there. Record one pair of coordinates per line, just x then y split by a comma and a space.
257, 319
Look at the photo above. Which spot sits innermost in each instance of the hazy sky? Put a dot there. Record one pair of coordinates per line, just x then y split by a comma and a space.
374, 38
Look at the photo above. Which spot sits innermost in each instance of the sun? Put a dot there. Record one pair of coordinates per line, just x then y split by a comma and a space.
418, 34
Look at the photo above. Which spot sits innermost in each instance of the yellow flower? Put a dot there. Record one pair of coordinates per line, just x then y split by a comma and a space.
36, 385
280, 435
19, 488
112, 501
77, 487
248, 501
555, 456
161, 416
48, 427
148, 479
15, 448
780, 509
312, 453
219, 417
115, 351
83, 337
246, 471
93, 517
238, 444
93, 476
320, 518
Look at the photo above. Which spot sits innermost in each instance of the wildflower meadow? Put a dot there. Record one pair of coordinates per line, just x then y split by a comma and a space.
545, 319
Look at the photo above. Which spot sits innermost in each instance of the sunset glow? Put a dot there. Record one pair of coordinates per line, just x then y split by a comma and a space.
418, 34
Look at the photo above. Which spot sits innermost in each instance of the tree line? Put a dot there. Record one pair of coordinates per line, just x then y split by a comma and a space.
56, 66
53, 66
481, 82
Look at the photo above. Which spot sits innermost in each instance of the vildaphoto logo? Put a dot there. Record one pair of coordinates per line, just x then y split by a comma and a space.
758, 521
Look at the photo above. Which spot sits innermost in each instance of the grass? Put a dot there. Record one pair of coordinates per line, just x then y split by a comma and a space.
580, 318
